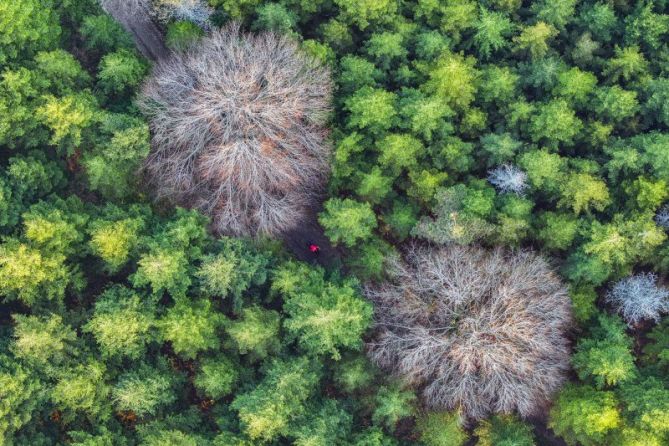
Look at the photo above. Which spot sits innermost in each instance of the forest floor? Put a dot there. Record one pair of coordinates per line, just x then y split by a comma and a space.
308, 232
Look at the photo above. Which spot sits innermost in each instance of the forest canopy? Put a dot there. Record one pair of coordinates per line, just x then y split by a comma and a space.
470, 183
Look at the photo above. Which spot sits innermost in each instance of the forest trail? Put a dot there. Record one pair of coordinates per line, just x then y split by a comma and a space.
310, 231
135, 19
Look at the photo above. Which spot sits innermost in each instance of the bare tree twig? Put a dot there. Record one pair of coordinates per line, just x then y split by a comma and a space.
238, 131
475, 330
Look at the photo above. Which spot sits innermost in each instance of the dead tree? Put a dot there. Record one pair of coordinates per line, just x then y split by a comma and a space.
238, 131
475, 330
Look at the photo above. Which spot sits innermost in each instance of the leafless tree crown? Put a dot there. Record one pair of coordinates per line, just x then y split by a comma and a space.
238, 130
475, 330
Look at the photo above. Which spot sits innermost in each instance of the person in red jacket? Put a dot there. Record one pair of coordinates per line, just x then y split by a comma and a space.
314, 248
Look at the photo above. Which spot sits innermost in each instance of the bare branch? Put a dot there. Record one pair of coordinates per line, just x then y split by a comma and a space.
475, 330
238, 131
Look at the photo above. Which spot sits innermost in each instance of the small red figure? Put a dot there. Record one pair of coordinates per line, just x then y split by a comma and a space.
314, 248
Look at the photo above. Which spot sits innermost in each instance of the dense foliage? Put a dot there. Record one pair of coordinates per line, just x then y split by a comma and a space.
495, 123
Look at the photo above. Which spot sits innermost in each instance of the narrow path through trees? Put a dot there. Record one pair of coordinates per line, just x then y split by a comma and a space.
310, 231
135, 18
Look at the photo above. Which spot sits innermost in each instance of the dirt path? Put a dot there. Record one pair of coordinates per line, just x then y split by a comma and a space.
134, 16
310, 231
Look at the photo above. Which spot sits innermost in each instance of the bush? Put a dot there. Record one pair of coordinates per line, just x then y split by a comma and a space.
252, 153
471, 327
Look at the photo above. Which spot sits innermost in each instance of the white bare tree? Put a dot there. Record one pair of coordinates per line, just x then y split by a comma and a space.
638, 298
508, 178
195, 11
239, 132
475, 330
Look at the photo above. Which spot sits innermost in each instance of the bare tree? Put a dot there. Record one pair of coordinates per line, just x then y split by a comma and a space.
238, 131
508, 178
195, 11
475, 330
638, 298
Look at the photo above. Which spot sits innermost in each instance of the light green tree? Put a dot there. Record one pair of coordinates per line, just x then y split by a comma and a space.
371, 109
143, 391
347, 221
256, 332
122, 323
605, 356
441, 429
83, 390
391, 405
43, 341
26, 26
325, 317
454, 79
267, 411
492, 31
583, 192
120, 72
191, 327
585, 416
29, 275
504, 430
216, 376
533, 39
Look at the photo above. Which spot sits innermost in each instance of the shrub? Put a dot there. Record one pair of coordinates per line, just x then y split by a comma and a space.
639, 298
471, 327
242, 142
